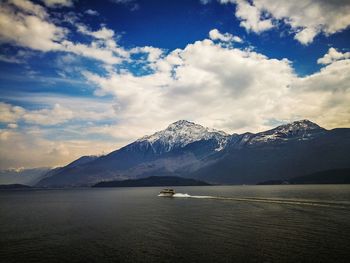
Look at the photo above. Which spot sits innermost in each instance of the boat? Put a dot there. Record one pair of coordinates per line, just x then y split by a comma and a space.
167, 192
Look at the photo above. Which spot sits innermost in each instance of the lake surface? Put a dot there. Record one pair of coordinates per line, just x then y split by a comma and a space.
281, 223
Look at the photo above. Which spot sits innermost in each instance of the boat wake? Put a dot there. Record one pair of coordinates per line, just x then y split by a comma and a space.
269, 200
193, 196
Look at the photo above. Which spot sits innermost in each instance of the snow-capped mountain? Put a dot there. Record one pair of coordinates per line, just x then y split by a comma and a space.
181, 133
299, 130
181, 144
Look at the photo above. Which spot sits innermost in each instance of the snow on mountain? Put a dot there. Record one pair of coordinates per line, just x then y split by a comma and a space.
181, 133
302, 126
301, 130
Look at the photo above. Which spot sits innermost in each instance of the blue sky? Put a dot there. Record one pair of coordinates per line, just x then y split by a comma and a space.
87, 77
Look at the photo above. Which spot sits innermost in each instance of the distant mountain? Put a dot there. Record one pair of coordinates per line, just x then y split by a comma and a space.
333, 176
23, 176
153, 181
190, 150
13, 186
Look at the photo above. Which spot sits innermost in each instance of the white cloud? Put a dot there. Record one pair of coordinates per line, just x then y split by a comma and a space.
58, 3
333, 55
237, 39
27, 26
56, 115
53, 113
9, 113
94, 51
29, 8
103, 48
12, 125
123, 132
91, 12
215, 34
251, 17
325, 95
153, 53
103, 33
308, 18
306, 36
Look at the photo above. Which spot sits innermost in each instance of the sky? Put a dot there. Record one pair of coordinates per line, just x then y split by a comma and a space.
88, 77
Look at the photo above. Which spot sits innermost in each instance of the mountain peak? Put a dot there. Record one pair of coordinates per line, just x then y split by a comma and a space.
181, 133
301, 130
182, 123
299, 125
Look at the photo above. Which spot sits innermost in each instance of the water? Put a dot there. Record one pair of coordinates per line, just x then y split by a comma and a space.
279, 223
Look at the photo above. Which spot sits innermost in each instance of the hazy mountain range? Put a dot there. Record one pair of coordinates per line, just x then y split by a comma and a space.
23, 176
190, 150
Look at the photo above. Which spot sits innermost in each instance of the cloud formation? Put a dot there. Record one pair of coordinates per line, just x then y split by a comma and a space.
251, 17
29, 25
53, 113
58, 3
91, 12
306, 19
215, 34
228, 88
333, 55
26, 24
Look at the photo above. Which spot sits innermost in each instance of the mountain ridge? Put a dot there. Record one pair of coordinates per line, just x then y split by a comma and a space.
191, 150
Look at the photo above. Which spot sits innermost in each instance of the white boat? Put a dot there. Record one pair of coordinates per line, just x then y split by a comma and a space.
167, 192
